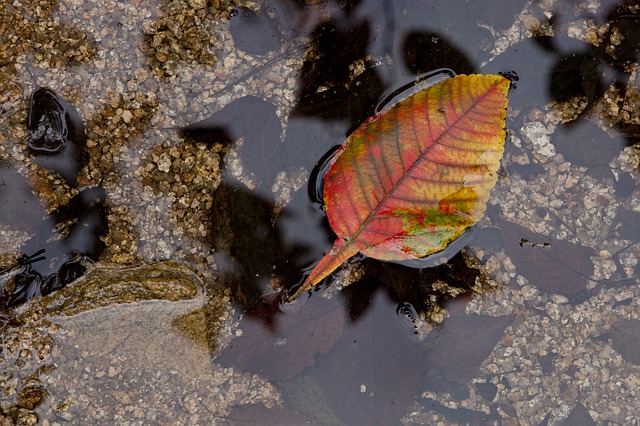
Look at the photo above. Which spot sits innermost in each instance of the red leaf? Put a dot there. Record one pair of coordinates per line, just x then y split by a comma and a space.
414, 177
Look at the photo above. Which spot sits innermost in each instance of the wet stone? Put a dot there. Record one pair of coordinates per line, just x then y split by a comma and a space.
105, 286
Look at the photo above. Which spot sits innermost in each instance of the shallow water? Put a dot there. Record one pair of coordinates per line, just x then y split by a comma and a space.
203, 128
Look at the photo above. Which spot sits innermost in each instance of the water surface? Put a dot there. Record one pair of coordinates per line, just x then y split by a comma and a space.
204, 122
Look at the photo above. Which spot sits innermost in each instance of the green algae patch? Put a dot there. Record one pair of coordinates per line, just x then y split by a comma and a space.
194, 326
104, 286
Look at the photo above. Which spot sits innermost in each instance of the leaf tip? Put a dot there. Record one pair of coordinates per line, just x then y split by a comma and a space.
340, 252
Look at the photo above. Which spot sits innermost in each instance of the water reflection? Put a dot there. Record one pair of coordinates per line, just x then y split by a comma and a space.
366, 362
362, 341
62, 242
542, 348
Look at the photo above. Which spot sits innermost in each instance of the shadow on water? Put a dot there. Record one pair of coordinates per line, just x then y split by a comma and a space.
357, 338
338, 350
359, 350
357, 357
70, 235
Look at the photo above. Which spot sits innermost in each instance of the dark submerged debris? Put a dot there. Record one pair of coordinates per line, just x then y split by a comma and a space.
47, 123
51, 261
56, 135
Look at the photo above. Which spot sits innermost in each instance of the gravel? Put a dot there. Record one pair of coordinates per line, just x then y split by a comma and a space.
135, 70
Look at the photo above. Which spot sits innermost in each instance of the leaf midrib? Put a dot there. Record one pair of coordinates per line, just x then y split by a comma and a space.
420, 158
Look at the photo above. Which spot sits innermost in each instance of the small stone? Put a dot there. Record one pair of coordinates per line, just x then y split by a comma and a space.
127, 116
113, 371
197, 4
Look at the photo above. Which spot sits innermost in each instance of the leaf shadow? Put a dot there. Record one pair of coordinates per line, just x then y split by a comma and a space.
252, 252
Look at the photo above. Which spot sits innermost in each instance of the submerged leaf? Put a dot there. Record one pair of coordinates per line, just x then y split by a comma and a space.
579, 416
552, 265
258, 414
375, 370
18, 206
625, 337
455, 351
585, 144
412, 178
279, 345
253, 33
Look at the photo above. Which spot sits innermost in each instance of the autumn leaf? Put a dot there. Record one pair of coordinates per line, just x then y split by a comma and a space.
374, 372
279, 345
552, 265
455, 351
412, 178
